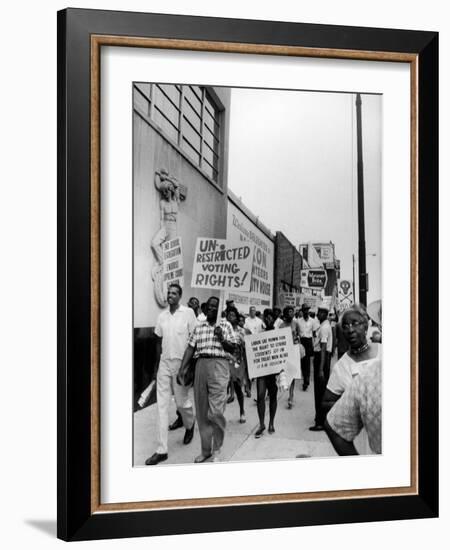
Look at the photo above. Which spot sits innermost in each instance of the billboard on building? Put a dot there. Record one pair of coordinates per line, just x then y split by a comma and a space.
325, 252
240, 227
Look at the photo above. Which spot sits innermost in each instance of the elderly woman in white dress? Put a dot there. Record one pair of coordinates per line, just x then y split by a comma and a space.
354, 324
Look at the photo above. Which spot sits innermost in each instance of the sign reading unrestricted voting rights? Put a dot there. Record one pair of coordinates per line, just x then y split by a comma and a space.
270, 352
241, 228
221, 264
172, 263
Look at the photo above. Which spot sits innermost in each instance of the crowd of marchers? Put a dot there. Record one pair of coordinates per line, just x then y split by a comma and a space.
202, 363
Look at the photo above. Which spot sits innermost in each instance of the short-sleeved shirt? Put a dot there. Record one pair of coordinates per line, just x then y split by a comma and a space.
294, 328
254, 325
278, 322
324, 336
206, 343
360, 406
306, 327
175, 329
345, 370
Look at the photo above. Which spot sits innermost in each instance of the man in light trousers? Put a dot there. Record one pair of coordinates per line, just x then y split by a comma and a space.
173, 329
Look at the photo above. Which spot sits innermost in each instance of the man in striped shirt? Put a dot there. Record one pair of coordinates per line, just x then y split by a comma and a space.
208, 344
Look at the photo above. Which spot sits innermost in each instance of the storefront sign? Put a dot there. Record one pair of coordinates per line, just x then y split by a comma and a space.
313, 278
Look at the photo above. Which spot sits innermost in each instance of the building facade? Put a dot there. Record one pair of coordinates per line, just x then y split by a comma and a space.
180, 159
288, 267
323, 255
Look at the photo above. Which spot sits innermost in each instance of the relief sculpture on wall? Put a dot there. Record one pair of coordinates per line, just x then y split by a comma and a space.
171, 194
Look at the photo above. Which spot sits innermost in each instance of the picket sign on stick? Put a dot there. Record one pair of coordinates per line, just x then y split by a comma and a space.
220, 264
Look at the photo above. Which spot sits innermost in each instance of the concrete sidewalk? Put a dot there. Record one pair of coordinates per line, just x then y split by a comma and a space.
291, 438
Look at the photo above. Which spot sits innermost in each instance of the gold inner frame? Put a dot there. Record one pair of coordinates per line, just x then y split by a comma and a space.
97, 41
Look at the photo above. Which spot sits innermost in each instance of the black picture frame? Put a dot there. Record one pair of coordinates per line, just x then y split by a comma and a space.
76, 518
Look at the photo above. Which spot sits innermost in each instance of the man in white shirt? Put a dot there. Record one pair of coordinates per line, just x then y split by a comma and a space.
173, 329
253, 323
307, 331
278, 317
323, 346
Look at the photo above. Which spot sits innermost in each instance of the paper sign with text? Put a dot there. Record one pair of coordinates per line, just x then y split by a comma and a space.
220, 264
270, 352
242, 229
172, 263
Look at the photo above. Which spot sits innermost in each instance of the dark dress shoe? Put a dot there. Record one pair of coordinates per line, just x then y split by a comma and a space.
316, 428
156, 458
178, 423
189, 434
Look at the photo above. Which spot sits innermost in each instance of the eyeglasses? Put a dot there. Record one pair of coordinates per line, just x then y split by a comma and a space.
354, 324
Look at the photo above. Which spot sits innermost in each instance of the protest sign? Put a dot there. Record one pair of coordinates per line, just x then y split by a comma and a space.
172, 263
327, 301
241, 228
293, 299
310, 300
270, 352
345, 296
220, 264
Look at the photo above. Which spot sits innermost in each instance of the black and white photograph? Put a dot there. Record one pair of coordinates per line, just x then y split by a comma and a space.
257, 274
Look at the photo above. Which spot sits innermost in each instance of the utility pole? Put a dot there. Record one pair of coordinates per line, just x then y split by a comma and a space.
354, 295
363, 278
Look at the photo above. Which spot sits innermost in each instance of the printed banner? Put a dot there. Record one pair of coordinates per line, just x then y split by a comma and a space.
242, 229
172, 263
272, 351
220, 264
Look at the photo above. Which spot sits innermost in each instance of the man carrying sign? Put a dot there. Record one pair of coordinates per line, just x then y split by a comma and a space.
208, 344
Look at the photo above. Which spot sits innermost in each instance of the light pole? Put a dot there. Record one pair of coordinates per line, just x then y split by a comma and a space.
361, 221
366, 278
353, 260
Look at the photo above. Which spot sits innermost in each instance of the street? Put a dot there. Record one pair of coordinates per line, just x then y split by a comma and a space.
291, 438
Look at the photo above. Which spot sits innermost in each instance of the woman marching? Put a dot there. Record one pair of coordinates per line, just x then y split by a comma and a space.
267, 384
237, 362
354, 324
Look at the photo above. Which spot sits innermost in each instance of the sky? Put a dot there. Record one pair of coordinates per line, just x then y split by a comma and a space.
292, 160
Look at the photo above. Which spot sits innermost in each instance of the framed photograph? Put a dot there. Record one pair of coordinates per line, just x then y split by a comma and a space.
247, 274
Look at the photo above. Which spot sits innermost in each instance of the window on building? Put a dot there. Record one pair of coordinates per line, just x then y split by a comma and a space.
188, 116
